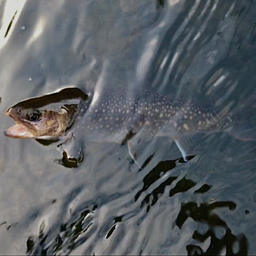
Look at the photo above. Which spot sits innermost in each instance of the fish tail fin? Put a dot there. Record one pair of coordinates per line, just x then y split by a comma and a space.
244, 131
244, 121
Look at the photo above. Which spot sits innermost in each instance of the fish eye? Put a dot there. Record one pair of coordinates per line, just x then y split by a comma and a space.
33, 116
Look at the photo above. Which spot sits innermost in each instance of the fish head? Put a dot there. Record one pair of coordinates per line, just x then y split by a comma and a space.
46, 117
40, 123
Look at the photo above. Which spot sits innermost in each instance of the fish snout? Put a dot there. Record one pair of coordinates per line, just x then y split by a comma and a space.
12, 112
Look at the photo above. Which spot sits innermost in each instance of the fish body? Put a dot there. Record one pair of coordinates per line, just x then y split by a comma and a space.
114, 115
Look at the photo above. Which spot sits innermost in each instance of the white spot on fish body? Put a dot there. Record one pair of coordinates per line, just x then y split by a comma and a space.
186, 127
208, 121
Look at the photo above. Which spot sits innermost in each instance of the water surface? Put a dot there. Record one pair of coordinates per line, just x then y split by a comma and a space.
202, 51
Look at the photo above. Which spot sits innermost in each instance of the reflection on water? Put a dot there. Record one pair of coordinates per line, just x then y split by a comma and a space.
212, 234
228, 243
157, 173
202, 51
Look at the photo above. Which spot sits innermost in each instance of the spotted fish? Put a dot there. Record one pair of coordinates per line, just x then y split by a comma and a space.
114, 115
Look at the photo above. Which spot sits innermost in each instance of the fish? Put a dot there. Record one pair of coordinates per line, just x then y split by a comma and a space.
45, 117
116, 115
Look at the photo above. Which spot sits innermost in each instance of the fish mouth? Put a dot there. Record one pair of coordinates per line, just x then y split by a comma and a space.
19, 130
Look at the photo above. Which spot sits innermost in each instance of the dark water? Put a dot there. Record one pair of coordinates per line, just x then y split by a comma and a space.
203, 51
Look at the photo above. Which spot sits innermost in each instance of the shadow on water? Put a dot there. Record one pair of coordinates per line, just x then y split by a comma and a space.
200, 213
70, 234
204, 213
211, 235
156, 173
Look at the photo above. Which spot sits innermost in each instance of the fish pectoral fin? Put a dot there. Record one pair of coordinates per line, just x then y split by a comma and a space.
132, 154
187, 144
137, 145
72, 151
181, 149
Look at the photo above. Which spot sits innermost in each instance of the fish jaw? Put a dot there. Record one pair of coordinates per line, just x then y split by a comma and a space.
24, 130
19, 131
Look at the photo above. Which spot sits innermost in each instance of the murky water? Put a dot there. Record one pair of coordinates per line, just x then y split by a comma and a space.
203, 51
